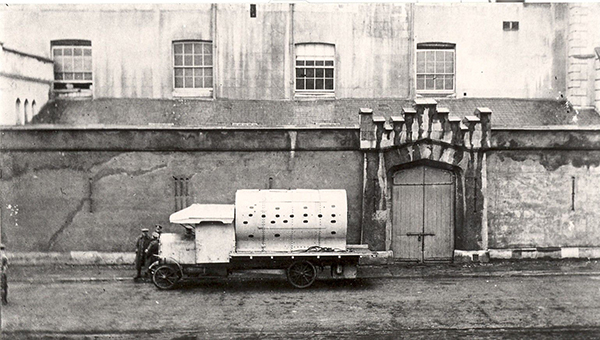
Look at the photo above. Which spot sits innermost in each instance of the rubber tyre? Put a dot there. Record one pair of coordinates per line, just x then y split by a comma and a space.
165, 277
301, 274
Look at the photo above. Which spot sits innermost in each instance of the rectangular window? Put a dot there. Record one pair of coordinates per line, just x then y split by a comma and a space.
182, 192
315, 69
435, 70
72, 67
510, 25
193, 68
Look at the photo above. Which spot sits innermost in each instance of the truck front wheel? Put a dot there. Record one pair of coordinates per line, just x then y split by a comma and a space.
165, 277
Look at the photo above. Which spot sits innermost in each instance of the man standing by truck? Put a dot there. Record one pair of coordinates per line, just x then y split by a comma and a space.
142, 243
152, 250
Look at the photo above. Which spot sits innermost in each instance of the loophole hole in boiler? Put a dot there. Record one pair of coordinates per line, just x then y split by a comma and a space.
263, 216
305, 215
277, 235
291, 216
284, 221
250, 236
333, 206
305, 221
320, 215
332, 215
249, 215
272, 222
333, 233
245, 222
332, 221
277, 215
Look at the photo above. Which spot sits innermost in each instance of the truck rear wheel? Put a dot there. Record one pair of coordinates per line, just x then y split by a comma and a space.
301, 274
165, 277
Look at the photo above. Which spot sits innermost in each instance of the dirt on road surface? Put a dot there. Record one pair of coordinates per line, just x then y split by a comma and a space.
270, 308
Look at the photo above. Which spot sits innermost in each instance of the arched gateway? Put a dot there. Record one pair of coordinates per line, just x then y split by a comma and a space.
423, 203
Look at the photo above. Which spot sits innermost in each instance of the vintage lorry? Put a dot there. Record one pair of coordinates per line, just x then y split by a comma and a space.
301, 231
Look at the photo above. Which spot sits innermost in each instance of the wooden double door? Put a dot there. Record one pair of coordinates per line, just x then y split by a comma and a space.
423, 214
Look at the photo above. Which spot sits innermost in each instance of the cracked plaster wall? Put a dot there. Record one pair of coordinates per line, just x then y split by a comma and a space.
46, 205
530, 202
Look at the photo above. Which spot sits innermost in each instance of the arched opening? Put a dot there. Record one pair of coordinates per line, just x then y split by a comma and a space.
26, 113
18, 114
33, 108
423, 213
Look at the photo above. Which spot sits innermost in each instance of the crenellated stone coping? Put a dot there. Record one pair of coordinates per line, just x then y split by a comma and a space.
425, 121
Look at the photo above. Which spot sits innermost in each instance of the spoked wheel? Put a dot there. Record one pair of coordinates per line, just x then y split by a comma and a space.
301, 274
165, 277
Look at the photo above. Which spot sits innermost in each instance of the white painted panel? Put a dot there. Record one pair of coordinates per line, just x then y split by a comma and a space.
178, 247
214, 242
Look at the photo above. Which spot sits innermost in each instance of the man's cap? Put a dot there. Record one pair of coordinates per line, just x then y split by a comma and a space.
144, 229
158, 226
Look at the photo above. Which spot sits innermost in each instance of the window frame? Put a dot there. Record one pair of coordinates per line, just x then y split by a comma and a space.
84, 45
325, 93
203, 92
435, 47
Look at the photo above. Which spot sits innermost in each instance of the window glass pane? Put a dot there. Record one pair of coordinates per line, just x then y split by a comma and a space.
328, 84
300, 62
207, 59
87, 64
78, 76
449, 83
319, 62
77, 64
198, 72
208, 81
310, 72
439, 82
328, 73
300, 72
178, 60
449, 67
77, 51
449, 57
188, 60
68, 51
189, 82
197, 60
319, 73
68, 65
68, 76
420, 62
319, 84
187, 48
197, 48
58, 51
58, 76
439, 66
420, 82
328, 62
87, 52
178, 48
439, 55
178, 72
57, 66
197, 82
310, 84
88, 76
299, 84
207, 48
430, 66
208, 72
310, 63
429, 82
179, 82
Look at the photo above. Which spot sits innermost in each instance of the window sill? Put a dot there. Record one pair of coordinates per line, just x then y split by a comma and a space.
433, 94
314, 95
193, 93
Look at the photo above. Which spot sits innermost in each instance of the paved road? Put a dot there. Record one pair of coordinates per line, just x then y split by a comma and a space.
553, 307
